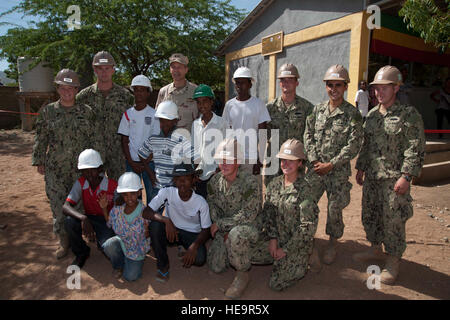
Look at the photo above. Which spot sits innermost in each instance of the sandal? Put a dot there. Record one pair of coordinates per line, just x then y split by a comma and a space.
161, 276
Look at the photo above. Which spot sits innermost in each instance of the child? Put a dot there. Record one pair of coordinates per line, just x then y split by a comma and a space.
88, 188
204, 134
137, 124
167, 148
128, 248
186, 222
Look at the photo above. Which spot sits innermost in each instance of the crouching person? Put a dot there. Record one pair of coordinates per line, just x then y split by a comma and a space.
186, 221
92, 224
291, 216
128, 248
235, 203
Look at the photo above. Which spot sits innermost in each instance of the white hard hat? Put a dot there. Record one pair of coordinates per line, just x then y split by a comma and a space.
141, 80
89, 159
242, 72
167, 110
129, 182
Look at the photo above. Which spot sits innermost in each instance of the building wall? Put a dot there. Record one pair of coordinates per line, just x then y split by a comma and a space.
293, 15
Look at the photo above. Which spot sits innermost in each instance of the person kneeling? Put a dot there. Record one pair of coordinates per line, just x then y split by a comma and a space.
128, 248
186, 221
292, 217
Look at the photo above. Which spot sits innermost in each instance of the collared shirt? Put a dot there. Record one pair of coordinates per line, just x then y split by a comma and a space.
334, 137
205, 139
187, 106
393, 142
167, 151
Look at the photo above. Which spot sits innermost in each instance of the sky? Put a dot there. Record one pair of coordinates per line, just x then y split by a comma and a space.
16, 18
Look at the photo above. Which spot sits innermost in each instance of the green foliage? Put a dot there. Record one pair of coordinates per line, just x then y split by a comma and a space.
430, 21
140, 34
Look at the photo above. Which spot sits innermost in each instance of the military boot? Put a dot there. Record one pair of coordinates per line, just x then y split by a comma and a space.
330, 251
390, 272
64, 246
314, 261
375, 252
238, 286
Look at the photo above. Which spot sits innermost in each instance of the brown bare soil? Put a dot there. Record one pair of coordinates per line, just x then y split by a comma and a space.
29, 269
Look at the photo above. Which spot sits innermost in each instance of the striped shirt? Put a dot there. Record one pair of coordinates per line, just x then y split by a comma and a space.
167, 152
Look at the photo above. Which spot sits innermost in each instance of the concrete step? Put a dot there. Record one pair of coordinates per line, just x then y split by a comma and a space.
435, 146
435, 157
433, 172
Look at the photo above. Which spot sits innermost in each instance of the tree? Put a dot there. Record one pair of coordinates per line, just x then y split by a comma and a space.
429, 20
140, 34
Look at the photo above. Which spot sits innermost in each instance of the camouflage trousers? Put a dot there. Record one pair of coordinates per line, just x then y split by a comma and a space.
288, 270
338, 194
57, 188
384, 215
114, 164
243, 248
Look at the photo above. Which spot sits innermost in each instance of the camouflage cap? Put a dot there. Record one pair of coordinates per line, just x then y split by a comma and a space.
103, 58
291, 149
67, 77
178, 57
288, 70
337, 72
388, 75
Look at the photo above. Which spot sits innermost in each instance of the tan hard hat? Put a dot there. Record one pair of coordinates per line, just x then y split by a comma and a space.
288, 70
103, 58
337, 72
67, 77
291, 149
388, 75
178, 57
229, 149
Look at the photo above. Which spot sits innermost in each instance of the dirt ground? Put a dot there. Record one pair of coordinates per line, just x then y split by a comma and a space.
29, 269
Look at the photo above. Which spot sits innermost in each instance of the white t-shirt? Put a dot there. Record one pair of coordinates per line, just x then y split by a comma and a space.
138, 126
362, 97
205, 141
246, 115
191, 215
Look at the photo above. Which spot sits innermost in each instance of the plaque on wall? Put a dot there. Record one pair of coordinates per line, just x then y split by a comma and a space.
272, 44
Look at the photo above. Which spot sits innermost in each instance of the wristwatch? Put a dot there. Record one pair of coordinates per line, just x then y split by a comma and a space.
407, 178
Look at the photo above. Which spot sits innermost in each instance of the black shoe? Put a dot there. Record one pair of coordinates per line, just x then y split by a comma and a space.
80, 260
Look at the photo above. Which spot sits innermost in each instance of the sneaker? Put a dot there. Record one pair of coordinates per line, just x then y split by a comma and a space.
117, 273
162, 276
80, 260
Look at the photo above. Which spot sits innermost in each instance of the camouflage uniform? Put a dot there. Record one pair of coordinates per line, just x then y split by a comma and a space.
289, 120
393, 143
334, 138
236, 211
187, 106
108, 113
61, 135
292, 215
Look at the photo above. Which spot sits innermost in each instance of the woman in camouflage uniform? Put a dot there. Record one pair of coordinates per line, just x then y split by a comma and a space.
291, 216
63, 130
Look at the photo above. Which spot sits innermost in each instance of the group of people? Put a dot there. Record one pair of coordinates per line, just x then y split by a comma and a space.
206, 177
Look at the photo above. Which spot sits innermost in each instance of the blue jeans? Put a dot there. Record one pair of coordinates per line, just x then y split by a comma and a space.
132, 269
73, 228
150, 191
159, 243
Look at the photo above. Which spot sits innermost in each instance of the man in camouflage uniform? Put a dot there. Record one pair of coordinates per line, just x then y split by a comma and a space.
392, 153
291, 214
234, 204
108, 101
180, 91
333, 137
63, 131
289, 111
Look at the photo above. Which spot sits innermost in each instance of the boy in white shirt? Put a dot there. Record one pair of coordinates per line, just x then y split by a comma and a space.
245, 112
207, 132
137, 124
186, 222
